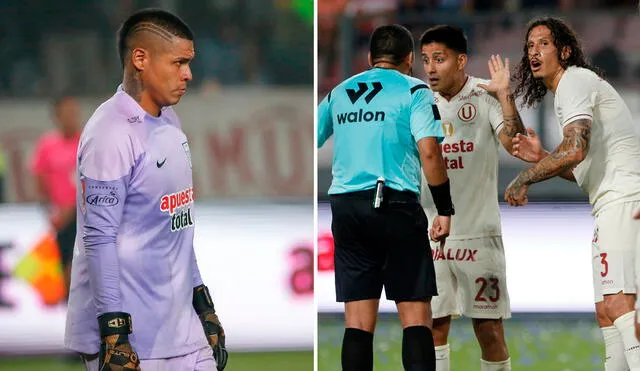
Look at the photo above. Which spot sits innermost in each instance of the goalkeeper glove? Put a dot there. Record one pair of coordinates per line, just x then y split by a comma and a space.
116, 353
203, 305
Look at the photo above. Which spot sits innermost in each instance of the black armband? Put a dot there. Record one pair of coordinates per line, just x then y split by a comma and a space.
442, 198
202, 301
115, 323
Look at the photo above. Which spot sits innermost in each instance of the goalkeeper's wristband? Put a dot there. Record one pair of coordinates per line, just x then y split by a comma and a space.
442, 198
202, 301
115, 323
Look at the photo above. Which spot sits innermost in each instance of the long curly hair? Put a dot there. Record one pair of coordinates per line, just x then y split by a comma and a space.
532, 89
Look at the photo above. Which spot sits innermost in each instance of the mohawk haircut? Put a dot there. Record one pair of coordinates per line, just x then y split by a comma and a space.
156, 21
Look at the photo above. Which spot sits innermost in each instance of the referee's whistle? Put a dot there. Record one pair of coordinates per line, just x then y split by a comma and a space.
377, 200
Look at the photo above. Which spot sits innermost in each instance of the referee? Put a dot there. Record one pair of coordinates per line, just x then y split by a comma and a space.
380, 230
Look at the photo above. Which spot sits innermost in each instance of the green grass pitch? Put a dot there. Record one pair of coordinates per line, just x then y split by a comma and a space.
271, 361
546, 342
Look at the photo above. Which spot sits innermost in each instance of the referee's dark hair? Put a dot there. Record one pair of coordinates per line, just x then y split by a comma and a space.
160, 18
450, 36
390, 43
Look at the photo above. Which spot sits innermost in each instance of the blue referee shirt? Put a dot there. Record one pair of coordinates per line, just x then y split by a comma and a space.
376, 118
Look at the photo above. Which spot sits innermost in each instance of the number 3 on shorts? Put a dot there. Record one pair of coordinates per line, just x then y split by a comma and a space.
604, 262
483, 285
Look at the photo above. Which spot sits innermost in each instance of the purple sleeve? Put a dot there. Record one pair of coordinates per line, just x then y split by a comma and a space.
103, 208
105, 165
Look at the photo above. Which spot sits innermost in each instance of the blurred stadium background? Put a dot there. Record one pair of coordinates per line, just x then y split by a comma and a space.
249, 117
547, 243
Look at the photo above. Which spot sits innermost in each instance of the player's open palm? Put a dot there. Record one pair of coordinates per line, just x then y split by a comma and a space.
527, 147
500, 76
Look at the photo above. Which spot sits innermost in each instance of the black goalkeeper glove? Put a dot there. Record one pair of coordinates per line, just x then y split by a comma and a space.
116, 353
203, 305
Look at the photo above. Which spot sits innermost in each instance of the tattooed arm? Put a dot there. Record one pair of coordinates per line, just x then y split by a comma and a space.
571, 151
512, 123
528, 148
567, 174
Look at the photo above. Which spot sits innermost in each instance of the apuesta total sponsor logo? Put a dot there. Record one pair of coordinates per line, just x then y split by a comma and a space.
177, 206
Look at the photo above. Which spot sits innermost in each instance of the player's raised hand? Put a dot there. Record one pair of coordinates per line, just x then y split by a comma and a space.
528, 147
440, 230
500, 76
516, 193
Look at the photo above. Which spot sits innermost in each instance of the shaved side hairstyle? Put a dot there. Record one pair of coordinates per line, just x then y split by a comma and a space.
154, 21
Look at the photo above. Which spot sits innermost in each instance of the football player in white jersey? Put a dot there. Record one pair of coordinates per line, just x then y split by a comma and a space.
600, 151
477, 117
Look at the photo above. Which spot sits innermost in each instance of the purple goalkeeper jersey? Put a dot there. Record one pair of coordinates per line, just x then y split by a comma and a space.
134, 245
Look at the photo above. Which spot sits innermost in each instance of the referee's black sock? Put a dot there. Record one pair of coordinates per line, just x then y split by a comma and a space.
357, 350
418, 352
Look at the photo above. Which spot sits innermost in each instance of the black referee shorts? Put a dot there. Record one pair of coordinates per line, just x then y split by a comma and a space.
388, 246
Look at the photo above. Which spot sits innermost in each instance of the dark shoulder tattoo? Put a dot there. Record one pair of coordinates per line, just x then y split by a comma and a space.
565, 157
577, 135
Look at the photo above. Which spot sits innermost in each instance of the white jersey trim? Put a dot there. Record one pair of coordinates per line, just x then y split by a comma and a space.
577, 117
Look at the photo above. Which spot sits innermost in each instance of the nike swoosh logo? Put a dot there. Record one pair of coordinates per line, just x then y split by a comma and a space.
159, 164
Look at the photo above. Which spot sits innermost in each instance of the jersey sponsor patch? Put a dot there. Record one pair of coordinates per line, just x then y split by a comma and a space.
98, 199
360, 116
98, 195
453, 153
177, 205
458, 255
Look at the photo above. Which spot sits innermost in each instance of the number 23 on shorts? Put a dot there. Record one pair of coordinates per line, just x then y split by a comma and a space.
493, 284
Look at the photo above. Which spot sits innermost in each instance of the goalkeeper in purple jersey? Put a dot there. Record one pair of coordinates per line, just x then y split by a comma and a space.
137, 300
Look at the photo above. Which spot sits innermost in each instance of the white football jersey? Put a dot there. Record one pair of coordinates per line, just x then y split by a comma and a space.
610, 173
471, 121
